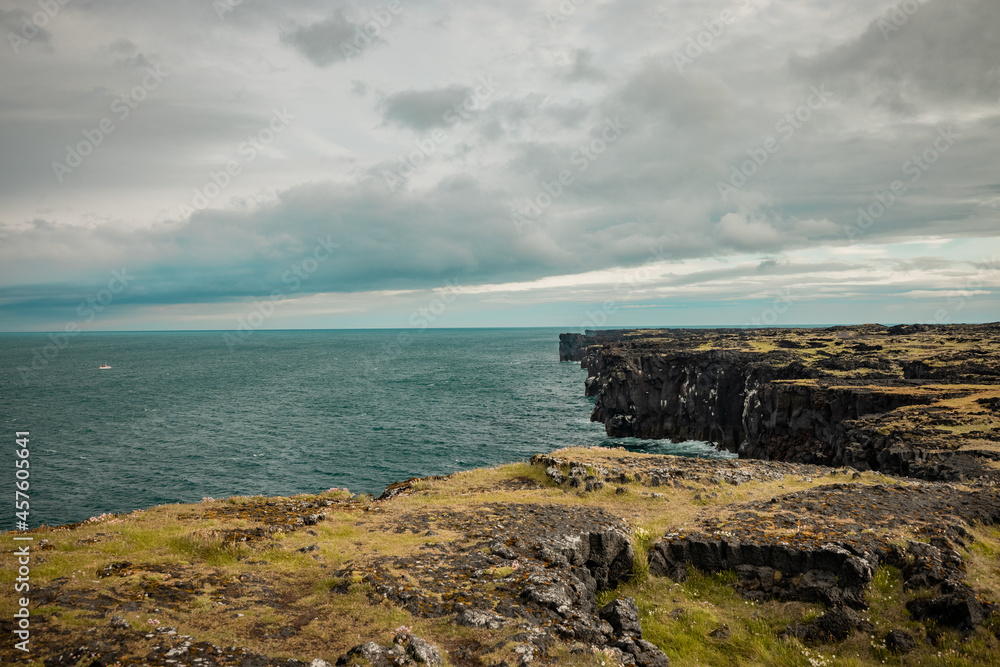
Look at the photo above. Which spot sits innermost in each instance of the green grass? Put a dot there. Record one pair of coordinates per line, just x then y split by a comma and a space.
642, 541
679, 618
209, 550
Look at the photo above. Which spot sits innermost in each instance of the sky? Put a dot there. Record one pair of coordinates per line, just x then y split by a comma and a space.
255, 164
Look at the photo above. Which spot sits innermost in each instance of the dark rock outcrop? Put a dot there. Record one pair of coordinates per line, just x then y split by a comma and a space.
623, 615
835, 625
828, 574
771, 399
406, 650
900, 641
479, 618
644, 653
959, 609
544, 565
825, 544
573, 346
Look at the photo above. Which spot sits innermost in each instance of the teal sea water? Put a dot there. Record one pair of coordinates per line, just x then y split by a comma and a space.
181, 416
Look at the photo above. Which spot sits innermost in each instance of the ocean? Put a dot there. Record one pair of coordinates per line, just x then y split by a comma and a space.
184, 415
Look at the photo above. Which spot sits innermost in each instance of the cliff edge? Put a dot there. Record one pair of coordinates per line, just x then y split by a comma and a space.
588, 557
921, 401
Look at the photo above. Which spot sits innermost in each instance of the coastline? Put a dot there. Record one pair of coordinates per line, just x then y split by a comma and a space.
920, 400
581, 556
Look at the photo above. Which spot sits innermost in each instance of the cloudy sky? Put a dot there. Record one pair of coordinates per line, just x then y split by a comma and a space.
197, 163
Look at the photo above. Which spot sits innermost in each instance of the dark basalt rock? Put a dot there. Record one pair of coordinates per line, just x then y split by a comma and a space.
643, 652
959, 609
843, 532
610, 558
169, 648
408, 650
900, 641
835, 625
623, 615
479, 618
423, 652
665, 384
828, 574
573, 347
112, 569
555, 475
556, 559
373, 653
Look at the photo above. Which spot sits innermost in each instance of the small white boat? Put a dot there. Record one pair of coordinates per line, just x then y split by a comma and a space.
104, 366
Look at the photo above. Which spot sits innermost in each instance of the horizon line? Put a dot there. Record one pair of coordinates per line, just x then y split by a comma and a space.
571, 329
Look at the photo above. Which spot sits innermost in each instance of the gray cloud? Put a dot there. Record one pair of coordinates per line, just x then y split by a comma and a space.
695, 100
571, 113
19, 31
322, 42
947, 52
127, 54
655, 186
583, 67
423, 109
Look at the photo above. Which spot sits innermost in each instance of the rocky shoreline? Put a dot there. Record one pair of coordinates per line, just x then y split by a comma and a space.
921, 401
590, 557
537, 563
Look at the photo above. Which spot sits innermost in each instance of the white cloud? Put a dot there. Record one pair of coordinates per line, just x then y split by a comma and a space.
654, 187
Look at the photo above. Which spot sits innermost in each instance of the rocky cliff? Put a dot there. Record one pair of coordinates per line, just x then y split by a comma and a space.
546, 562
908, 400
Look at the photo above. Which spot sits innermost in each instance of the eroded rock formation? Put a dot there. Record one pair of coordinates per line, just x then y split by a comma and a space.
909, 400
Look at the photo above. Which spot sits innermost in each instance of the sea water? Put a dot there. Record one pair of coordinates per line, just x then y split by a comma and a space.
184, 415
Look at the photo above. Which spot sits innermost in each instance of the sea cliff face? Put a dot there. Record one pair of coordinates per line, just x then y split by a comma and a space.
913, 401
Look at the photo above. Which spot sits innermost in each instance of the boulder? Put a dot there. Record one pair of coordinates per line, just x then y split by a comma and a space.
623, 615
960, 609
900, 641
411, 651
374, 653
646, 654
119, 622
835, 625
423, 652
479, 618
555, 474
610, 558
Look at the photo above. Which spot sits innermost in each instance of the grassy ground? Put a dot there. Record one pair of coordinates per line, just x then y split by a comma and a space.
271, 597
